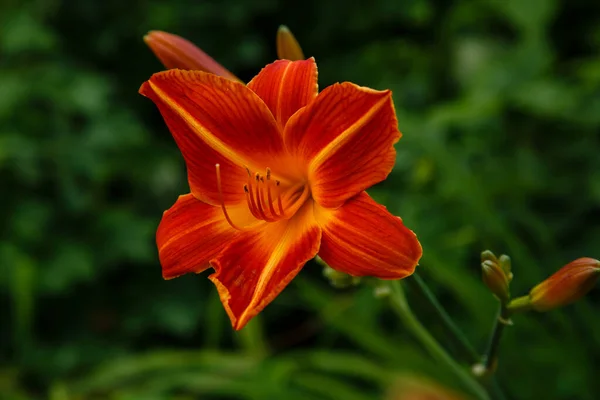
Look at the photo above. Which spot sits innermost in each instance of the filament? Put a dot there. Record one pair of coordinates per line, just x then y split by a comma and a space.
222, 201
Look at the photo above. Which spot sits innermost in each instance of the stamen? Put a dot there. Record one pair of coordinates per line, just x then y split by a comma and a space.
279, 204
250, 202
269, 196
258, 199
261, 201
234, 226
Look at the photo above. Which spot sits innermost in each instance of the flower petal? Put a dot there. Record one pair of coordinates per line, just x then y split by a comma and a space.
176, 52
215, 120
286, 86
362, 238
189, 235
288, 47
347, 134
255, 268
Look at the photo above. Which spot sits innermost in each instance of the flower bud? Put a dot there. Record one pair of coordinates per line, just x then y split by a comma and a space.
337, 279
287, 45
495, 279
488, 255
176, 52
565, 286
505, 264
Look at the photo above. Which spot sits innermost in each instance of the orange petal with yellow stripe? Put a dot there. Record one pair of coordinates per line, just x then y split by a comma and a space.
258, 265
286, 87
176, 52
346, 137
362, 238
216, 121
189, 235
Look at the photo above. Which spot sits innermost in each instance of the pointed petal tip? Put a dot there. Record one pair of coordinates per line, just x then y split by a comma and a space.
151, 35
224, 296
254, 269
388, 249
286, 86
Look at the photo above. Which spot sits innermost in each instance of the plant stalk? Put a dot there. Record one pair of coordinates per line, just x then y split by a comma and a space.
491, 355
400, 306
459, 336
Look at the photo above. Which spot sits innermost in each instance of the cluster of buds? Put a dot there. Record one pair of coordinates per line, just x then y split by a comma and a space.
565, 286
496, 274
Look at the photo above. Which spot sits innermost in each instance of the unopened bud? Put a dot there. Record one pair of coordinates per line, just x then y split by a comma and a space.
505, 264
176, 52
488, 255
287, 45
565, 286
495, 279
337, 279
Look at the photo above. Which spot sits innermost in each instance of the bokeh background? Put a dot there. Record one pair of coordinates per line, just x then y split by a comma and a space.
499, 103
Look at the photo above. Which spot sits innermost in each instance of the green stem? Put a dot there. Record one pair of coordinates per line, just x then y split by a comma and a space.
460, 337
401, 307
491, 355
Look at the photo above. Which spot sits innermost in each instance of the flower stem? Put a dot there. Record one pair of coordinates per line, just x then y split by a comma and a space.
400, 306
491, 355
459, 336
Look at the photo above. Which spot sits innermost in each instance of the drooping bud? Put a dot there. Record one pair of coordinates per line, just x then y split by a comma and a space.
287, 45
565, 286
176, 52
494, 275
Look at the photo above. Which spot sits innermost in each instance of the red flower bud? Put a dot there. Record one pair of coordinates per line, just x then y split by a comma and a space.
176, 52
567, 285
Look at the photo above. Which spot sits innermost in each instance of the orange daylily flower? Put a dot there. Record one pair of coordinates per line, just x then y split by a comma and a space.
277, 173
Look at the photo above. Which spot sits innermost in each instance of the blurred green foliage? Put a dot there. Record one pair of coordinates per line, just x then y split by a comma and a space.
499, 103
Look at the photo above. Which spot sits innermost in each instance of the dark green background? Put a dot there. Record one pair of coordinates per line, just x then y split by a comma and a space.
499, 103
